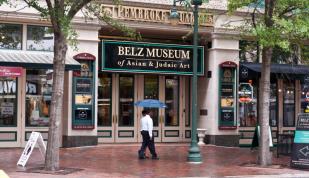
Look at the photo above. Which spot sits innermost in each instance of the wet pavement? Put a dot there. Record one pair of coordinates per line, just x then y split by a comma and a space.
120, 160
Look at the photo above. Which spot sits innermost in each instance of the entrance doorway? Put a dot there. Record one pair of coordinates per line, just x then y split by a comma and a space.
119, 119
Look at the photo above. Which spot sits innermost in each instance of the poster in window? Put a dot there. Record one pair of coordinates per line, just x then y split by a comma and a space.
82, 114
83, 99
83, 85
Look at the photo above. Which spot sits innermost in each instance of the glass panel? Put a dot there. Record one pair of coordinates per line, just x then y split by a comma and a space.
171, 100
104, 100
289, 104
8, 100
151, 91
304, 98
10, 36
273, 105
40, 38
38, 97
248, 110
126, 100
187, 102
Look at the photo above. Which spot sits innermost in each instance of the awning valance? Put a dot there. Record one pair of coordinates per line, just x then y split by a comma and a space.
278, 68
33, 59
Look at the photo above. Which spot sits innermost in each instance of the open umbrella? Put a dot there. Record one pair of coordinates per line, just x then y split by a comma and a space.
150, 103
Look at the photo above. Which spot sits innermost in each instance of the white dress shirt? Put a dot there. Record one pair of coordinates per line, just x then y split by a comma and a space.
147, 124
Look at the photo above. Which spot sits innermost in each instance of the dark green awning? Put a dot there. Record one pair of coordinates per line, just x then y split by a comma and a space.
279, 68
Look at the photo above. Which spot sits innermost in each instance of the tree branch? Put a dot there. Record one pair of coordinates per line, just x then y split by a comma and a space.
78, 5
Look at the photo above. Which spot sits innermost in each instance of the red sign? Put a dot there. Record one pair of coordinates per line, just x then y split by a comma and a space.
228, 64
10, 71
84, 56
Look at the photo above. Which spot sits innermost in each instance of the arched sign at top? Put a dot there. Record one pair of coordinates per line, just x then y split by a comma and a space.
84, 56
228, 64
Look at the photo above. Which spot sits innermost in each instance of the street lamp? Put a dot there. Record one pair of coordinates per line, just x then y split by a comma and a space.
194, 151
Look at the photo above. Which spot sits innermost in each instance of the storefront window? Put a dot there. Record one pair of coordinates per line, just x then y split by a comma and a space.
104, 100
40, 38
248, 111
273, 105
305, 98
38, 97
151, 84
8, 100
289, 104
171, 99
10, 36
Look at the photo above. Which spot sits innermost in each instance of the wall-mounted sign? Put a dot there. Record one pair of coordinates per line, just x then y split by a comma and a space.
245, 92
83, 93
134, 57
300, 152
155, 15
10, 71
227, 95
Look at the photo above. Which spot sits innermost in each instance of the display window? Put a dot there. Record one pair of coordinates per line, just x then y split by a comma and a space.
289, 104
38, 97
248, 110
8, 101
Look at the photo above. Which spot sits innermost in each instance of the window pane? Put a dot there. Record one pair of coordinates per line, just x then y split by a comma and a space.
171, 99
126, 99
273, 105
289, 104
248, 111
40, 38
8, 100
304, 98
151, 88
38, 97
10, 36
104, 100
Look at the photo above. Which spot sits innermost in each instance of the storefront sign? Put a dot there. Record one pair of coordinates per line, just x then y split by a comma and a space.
10, 71
227, 95
245, 92
300, 153
141, 14
125, 56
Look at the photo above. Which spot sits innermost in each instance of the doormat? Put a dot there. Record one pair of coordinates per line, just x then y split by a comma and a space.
61, 171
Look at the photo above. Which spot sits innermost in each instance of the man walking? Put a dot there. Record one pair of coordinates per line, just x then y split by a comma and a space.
148, 139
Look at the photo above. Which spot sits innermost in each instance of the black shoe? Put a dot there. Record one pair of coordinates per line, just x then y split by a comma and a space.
155, 158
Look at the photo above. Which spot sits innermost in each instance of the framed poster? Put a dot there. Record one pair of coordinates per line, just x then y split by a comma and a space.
83, 93
227, 95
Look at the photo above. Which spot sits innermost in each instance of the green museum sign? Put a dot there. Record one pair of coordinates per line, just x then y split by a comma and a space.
138, 57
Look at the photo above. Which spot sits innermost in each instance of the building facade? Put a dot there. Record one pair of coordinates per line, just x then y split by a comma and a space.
110, 72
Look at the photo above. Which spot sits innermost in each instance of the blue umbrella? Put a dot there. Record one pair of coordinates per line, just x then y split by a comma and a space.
150, 103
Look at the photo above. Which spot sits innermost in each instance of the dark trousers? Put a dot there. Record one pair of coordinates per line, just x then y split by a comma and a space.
147, 142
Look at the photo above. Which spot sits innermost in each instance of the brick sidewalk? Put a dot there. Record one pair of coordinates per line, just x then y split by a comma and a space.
120, 160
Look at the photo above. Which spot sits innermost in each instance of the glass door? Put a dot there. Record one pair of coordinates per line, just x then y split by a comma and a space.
105, 119
125, 111
171, 122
